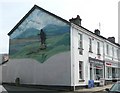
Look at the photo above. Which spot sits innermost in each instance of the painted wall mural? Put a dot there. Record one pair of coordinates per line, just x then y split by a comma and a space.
40, 36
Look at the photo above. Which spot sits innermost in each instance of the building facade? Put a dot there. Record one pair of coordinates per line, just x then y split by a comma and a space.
119, 22
53, 51
112, 61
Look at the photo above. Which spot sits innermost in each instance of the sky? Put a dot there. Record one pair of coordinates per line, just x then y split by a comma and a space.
95, 14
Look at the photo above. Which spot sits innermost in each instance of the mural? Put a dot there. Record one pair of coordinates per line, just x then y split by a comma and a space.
40, 37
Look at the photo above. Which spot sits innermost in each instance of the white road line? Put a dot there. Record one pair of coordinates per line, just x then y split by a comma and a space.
2, 89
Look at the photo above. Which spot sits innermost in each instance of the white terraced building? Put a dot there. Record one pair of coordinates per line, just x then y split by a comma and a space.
48, 50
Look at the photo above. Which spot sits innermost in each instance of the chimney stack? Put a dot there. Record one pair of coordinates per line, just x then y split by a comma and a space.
97, 32
112, 39
76, 20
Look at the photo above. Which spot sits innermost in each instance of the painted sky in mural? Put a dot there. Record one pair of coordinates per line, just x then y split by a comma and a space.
40, 36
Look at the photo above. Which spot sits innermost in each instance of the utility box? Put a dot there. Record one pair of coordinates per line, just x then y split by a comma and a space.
90, 83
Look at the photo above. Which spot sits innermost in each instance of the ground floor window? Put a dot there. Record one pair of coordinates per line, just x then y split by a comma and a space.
96, 71
80, 69
118, 72
99, 73
112, 72
109, 72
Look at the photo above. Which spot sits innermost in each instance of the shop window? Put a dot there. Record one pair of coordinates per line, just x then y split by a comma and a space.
80, 70
99, 73
80, 44
118, 72
114, 72
109, 72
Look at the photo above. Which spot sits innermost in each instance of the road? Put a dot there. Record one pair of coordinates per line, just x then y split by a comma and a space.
15, 89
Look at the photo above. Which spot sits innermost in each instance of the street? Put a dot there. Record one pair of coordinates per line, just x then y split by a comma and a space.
15, 89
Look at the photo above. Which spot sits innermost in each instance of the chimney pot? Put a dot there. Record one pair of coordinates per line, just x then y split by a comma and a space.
76, 20
97, 32
112, 39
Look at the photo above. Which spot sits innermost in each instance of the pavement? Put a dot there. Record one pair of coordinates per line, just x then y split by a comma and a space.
95, 89
85, 90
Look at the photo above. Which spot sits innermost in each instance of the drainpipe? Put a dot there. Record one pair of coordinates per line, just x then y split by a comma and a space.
104, 60
72, 60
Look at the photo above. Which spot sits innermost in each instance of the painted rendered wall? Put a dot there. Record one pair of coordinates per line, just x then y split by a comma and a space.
109, 58
110, 55
0, 69
76, 57
34, 62
119, 22
30, 71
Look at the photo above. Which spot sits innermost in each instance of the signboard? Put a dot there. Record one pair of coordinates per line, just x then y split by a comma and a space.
93, 60
111, 64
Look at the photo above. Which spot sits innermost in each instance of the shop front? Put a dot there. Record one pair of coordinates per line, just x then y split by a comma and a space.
112, 71
96, 70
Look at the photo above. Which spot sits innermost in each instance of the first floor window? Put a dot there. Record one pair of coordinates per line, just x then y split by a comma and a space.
107, 49
80, 70
90, 45
80, 44
98, 47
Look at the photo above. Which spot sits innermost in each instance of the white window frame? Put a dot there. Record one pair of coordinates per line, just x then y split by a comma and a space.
90, 45
80, 70
113, 52
80, 44
98, 48
107, 49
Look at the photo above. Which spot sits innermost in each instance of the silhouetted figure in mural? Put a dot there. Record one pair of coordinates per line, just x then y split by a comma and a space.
42, 39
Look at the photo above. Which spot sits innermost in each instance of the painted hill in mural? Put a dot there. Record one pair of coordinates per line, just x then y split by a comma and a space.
50, 30
27, 45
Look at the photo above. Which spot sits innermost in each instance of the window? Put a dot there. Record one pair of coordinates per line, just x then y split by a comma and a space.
107, 49
98, 47
112, 51
117, 53
80, 70
80, 44
109, 72
90, 45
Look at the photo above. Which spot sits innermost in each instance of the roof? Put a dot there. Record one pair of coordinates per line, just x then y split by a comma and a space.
98, 35
36, 7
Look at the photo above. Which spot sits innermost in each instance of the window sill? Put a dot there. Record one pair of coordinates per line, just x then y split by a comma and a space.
90, 51
99, 54
81, 80
80, 48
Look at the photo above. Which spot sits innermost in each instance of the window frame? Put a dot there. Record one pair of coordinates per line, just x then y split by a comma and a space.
81, 70
80, 43
98, 48
107, 49
90, 45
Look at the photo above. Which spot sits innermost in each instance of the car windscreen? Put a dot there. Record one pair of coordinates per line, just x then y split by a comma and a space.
116, 87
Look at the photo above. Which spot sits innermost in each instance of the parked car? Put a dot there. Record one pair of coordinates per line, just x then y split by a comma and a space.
115, 88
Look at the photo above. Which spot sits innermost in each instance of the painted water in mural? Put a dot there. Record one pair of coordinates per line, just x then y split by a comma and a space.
40, 36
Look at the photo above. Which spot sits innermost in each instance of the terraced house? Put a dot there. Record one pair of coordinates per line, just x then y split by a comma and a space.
48, 50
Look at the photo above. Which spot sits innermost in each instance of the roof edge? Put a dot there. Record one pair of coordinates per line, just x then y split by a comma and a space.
29, 12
